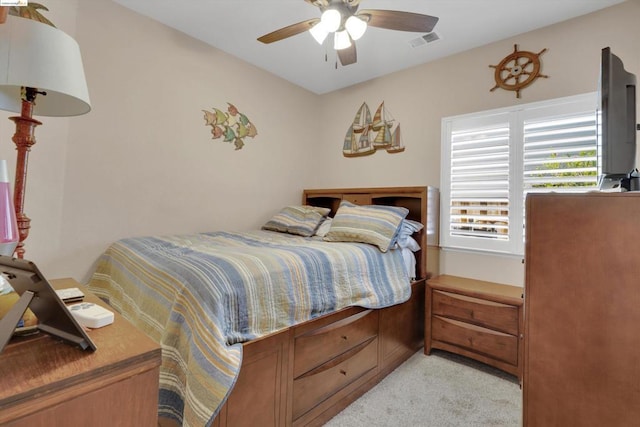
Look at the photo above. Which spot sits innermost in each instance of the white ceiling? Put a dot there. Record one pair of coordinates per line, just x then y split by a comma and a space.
234, 25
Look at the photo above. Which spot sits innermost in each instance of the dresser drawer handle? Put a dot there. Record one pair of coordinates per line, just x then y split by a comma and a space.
343, 372
344, 337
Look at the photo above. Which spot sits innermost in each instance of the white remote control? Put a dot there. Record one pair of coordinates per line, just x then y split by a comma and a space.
70, 294
91, 315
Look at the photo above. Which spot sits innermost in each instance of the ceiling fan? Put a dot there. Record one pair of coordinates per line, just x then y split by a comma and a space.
342, 18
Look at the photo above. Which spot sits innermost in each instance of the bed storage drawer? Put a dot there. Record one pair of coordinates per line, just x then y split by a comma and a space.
489, 314
319, 384
476, 339
317, 346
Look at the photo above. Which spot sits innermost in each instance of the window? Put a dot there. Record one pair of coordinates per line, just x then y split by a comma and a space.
492, 159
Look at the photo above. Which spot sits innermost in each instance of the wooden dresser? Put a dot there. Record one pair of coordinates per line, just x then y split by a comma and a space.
477, 319
582, 306
46, 382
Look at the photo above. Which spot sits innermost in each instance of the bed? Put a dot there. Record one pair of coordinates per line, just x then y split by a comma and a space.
288, 335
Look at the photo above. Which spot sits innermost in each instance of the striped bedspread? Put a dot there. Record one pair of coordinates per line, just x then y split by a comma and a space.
201, 295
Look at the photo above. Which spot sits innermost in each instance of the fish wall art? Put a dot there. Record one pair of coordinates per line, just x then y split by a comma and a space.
230, 125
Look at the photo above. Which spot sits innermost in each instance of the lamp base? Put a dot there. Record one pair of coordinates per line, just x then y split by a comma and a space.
24, 225
24, 138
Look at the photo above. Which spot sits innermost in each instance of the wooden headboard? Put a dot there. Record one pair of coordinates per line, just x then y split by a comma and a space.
423, 205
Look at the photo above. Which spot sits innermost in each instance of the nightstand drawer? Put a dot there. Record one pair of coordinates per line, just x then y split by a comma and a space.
476, 339
320, 345
488, 314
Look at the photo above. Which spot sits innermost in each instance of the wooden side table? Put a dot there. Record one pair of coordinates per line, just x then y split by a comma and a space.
46, 382
477, 319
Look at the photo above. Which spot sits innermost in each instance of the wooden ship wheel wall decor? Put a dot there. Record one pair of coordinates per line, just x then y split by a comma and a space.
517, 70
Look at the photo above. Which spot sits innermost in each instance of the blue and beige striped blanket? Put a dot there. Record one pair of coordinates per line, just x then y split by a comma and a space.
201, 295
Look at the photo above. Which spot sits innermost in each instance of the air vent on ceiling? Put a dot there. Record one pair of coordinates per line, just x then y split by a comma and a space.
427, 38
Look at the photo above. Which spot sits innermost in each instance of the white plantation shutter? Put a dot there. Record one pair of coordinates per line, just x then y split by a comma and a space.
491, 160
479, 204
560, 153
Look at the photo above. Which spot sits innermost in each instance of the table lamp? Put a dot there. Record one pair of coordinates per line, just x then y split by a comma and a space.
37, 61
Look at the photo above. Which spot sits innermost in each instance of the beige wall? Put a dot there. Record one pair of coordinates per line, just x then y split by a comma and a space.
143, 162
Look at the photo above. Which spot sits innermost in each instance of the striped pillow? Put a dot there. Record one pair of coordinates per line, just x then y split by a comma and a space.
374, 224
300, 220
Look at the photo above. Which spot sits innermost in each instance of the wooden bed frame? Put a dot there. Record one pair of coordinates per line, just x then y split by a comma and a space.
306, 374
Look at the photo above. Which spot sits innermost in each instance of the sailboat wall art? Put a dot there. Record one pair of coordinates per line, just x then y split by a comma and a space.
365, 136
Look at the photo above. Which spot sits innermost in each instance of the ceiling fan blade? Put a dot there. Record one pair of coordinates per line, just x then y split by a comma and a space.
319, 3
288, 31
348, 55
400, 21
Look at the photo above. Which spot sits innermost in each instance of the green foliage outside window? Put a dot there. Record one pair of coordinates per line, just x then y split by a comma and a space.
569, 168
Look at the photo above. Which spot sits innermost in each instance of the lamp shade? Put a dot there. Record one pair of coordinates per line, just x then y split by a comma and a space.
36, 55
9, 236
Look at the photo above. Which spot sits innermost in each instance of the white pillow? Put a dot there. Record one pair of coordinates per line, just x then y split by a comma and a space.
409, 243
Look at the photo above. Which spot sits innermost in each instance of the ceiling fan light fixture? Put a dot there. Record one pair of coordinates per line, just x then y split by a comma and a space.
331, 20
341, 40
355, 26
318, 32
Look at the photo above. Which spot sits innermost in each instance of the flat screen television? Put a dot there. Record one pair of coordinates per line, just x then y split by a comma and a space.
617, 126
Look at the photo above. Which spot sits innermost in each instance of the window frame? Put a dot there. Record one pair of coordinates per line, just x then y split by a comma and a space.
515, 116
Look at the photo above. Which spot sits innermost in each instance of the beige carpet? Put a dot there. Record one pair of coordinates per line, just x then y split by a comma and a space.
441, 390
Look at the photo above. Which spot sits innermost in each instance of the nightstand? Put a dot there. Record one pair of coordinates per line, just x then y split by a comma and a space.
477, 319
46, 382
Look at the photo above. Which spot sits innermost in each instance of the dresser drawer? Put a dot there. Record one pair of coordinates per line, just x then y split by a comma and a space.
321, 383
489, 314
477, 339
317, 346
